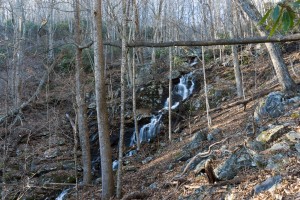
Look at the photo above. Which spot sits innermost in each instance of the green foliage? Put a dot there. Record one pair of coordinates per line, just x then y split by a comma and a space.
283, 17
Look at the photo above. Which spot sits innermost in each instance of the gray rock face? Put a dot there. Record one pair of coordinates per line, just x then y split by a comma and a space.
240, 159
267, 184
271, 106
197, 139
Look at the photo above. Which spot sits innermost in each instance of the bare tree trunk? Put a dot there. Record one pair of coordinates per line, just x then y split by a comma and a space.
281, 70
170, 95
51, 32
135, 55
102, 114
18, 54
136, 128
81, 106
139, 51
237, 69
123, 63
205, 90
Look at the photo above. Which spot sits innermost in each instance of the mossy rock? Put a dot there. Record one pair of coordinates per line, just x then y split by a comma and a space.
271, 134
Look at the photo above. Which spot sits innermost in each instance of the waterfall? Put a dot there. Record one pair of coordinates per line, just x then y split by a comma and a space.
148, 131
183, 89
62, 195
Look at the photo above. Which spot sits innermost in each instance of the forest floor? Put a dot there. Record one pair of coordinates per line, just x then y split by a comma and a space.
153, 172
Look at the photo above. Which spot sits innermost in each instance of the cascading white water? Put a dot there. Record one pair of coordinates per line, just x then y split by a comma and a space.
63, 194
148, 131
184, 89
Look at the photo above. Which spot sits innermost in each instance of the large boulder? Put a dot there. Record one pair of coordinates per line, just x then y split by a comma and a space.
241, 159
271, 134
271, 106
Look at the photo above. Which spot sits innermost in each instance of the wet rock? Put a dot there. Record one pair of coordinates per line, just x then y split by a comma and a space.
271, 134
241, 159
148, 159
197, 139
268, 184
293, 136
52, 153
271, 106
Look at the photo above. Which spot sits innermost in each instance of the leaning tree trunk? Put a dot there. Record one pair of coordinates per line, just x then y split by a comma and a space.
281, 70
102, 114
81, 107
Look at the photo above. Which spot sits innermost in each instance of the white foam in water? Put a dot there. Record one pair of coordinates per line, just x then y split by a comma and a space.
184, 89
115, 165
148, 131
62, 195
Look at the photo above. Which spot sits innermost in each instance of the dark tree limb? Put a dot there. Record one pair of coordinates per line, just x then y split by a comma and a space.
17, 110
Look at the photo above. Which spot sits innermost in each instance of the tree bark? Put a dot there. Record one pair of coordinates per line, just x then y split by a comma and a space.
205, 90
81, 106
123, 63
170, 95
236, 66
254, 40
281, 69
102, 114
